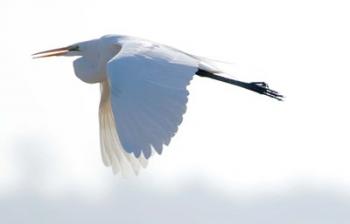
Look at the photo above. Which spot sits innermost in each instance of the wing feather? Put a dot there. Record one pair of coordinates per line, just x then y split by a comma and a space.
148, 96
113, 153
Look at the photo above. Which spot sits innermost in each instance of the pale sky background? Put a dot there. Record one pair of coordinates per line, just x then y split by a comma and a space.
235, 149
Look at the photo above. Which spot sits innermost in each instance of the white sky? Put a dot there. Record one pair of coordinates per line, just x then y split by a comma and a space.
230, 137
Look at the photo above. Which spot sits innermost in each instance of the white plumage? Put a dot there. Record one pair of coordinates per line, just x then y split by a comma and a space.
147, 97
112, 151
143, 93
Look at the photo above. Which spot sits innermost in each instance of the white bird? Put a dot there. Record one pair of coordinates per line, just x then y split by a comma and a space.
143, 93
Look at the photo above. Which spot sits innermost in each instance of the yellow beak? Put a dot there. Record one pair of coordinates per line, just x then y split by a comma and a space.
50, 53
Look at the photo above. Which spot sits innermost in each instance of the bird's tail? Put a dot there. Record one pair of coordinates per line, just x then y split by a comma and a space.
258, 87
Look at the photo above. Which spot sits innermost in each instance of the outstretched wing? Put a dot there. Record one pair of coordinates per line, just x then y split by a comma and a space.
148, 95
113, 153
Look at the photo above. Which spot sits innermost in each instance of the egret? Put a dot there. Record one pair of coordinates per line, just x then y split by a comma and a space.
143, 93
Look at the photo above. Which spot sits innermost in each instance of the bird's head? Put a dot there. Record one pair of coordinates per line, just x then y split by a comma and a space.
94, 54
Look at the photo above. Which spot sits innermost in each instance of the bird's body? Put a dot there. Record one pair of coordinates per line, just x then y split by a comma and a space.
143, 93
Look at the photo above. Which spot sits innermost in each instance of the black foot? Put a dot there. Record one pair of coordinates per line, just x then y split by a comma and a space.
263, 84
263, 88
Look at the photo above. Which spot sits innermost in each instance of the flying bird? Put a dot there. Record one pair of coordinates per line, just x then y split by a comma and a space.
143, 93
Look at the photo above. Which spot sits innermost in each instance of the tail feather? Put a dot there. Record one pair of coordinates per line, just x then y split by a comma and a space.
258, 87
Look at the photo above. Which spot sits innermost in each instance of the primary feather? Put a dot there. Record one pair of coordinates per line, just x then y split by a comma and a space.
113, 153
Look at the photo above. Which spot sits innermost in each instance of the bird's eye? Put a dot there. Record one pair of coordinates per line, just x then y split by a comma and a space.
74, 48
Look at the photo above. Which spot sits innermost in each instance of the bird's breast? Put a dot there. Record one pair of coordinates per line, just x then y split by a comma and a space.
88, 71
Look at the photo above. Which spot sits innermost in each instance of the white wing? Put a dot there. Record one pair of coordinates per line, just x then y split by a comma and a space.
113, 153
148, 96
